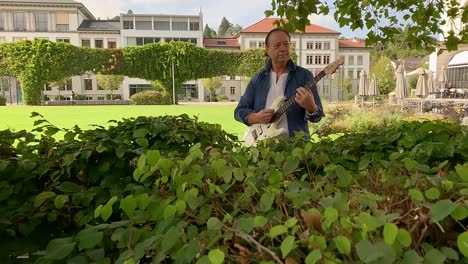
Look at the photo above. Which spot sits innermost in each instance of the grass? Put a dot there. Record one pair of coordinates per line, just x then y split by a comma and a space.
18, 117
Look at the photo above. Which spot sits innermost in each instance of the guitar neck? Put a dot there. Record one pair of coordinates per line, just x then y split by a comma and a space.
291, 101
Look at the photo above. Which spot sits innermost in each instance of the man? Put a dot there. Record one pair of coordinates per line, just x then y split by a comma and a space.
280, 77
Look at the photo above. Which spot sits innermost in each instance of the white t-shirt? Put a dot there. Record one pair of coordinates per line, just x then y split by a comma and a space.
277, 90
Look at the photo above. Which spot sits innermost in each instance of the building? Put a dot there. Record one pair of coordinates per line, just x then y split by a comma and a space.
451, 66
315, 48
70, 21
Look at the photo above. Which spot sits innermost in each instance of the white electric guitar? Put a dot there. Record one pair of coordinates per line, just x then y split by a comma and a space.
281, 105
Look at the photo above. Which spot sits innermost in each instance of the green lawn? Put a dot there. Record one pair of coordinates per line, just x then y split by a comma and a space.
18, 117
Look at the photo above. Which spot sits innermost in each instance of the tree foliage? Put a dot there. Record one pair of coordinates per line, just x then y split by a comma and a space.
385, 74
109, 82
212, 84
223, 27
382, 18
208, 32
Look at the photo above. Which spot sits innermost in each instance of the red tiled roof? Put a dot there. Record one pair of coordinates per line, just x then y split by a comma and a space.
351, 43
221, 42
266, 24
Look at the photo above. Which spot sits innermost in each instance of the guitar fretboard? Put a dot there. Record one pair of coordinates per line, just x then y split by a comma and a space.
291, 101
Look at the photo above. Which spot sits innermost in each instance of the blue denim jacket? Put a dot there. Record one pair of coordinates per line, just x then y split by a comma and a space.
256, 93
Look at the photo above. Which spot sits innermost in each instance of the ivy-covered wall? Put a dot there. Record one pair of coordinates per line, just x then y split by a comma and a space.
38, 62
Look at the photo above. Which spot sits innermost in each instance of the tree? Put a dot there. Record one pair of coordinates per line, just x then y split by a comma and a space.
223, 27
385, 74
208, 32
212, 84
233, 30
381, 17
109, 82
60, 84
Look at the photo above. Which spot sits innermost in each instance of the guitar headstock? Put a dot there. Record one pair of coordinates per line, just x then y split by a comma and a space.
332, 67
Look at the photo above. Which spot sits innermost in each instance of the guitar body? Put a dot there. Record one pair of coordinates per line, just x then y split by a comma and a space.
257, 132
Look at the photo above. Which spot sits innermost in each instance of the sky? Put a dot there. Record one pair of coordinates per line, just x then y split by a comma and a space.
241, 12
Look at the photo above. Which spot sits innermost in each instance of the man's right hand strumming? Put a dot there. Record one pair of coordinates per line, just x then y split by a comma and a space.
262, 117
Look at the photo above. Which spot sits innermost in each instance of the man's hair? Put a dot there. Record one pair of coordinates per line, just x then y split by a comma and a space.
275, 30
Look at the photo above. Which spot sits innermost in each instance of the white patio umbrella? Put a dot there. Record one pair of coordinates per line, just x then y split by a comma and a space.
362, 85
443, 76
422, 89
401, 89
430, 83
373, 87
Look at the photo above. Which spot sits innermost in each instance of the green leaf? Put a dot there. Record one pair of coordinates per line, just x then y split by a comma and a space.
434, 256
291, 222
287, 245
344, 177
450, 253
60, 201
432, 194
412, 257
128, 205
441, 209
416, 195
106, 212
89, 238
277, 230
260, 221
460, 213
343, 244
390, 232
140, 133
70, 187
246, 224
462, 243
290, 166
214, 224
170, 211
330, 216
59, 248
266, 202
42, 197
462, 171
367, 252
142, 200
404, 237
216, 256
313, 257
152, 157
97, 211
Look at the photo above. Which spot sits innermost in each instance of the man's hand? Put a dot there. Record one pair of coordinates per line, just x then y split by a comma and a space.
305, 99
262, 117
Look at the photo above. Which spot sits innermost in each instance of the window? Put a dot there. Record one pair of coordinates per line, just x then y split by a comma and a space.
179, 26
111, 44
136, 88
162, 25
68, 85
131, 42
252, 44
88, 84
351, 74
100, 98
67, 40
2, 22
143, 25
310, 59
194, 26
318, 59
99, 43
233, 90
318, 45
310, 45
261, 44
326, 59
89, 98
19, 21
359, 60
48, 87
128, 24
350, 60
42, 22
326, 45
85, 43
62, 22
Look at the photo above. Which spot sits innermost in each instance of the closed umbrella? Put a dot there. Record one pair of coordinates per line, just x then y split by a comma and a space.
430, 83
422, 89
401, 89
373, 88
362, 85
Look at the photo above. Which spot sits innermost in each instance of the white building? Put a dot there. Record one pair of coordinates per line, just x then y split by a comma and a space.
70, 21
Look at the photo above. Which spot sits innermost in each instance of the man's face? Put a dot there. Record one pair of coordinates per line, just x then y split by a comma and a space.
277, 47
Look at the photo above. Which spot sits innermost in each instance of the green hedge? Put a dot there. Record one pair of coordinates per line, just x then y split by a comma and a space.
150, 98
2, 100
175, 190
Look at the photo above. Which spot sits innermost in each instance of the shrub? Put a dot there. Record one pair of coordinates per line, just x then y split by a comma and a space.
113, 97
150, 98
2, 100
80, 97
